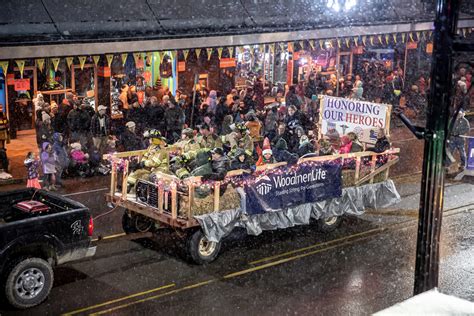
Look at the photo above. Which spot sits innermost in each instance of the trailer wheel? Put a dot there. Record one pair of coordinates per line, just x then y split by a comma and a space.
135, 223
329, 224
201, 250
29, 282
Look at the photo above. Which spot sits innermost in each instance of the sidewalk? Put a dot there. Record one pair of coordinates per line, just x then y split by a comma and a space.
17, 150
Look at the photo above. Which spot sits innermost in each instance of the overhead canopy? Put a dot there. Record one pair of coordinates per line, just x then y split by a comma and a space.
35, 22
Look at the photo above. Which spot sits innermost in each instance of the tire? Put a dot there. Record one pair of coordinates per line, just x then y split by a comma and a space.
200, 250
329, 224
28, 283
135, 223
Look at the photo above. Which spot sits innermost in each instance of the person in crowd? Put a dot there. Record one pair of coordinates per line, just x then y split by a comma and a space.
325, 148
311, 86
282, 154
129, 139
221, 111
187, 143
32, 167
79, 160
211, 101
60, 156
124, 99
456, 141
282, 133
416, 102
240, 138
174, 120
100, 128
79, 122
291, 97
346, 145
44, 131
271, 121
254, 125
49, 166
226, 125
232, 97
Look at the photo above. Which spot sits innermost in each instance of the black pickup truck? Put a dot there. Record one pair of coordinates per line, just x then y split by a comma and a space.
33, 240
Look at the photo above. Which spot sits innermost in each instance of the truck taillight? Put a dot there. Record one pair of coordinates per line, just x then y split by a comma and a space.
90, 229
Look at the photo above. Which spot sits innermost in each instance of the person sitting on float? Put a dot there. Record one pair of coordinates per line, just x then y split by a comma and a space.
187, 143
240, 134
282, 154
266, 156
153, 160
207, 138
242, 161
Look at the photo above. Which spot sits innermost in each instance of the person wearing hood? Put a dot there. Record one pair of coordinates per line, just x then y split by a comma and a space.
305, 146
271, 121
325, 148
49, 166
254, 125
61, 156
220, 164
202, 164
228, 121
221, 111
100, 128
282, 154
174, 119
241, 161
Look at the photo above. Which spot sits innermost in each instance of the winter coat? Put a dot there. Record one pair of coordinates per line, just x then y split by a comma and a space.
32, 166
48, 161
60, 153
78, 156
236, 164
305, 148
221, 111
79, 120
174, 119
381, 145
44, 133
131, 141
271, 122
356, 147
220, 166
212, 102
95, 126
281, 153
156, 117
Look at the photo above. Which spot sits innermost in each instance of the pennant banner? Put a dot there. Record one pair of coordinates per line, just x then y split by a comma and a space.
372, 40
198, 52
356, 40
69, 61
219, 52
124, 58
4, 65
418, 35
231, 51
40, 64
364, 39
302, 44
411, 37
321, 44
186, 53
394, 38
209, 53
174, 54
82, 61
96, 59
136, 57
110, 58
380, 39
403, 37
163, 55
386, 39
347, 40
272, 48
55, 62
21, 65
282, 46
311, 43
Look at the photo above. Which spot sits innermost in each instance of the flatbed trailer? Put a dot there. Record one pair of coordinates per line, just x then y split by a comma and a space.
170, 202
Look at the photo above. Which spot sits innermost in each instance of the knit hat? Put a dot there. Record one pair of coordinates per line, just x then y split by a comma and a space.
130, 124
267, 152
102, 108
281, 144
76, 146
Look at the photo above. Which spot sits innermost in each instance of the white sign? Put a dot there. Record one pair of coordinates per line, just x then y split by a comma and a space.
348, 115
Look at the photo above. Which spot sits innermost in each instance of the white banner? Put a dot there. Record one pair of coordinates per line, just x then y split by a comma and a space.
348, 115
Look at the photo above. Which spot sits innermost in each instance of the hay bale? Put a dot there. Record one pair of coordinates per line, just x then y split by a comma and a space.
229, 200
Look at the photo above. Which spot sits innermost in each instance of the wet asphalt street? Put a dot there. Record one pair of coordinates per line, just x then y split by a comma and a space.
364, 266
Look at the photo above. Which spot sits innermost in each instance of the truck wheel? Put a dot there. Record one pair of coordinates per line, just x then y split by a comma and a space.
329, 224
29, 282
135, 223
200, 249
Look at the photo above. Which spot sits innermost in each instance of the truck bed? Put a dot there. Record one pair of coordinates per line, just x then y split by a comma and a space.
56, 203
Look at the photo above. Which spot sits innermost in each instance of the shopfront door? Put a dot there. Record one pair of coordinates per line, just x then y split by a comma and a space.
20, 93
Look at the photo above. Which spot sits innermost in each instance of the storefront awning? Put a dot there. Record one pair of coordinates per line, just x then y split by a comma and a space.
46, 28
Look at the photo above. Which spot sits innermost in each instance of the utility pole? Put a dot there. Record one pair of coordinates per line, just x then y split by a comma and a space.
435, 134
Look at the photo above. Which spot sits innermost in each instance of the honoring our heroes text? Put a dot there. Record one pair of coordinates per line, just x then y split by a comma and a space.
362, 113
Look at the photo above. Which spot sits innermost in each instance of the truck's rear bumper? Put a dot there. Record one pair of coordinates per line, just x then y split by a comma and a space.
91, 251
77, 254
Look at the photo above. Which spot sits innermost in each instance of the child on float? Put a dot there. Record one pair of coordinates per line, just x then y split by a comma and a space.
32, 166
